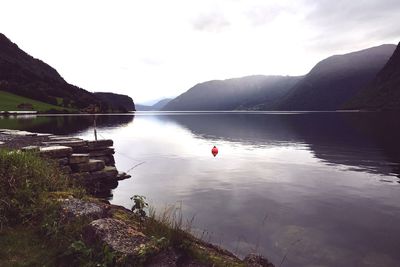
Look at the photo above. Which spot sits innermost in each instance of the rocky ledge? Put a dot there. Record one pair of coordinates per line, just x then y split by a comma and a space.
90, 162
118, 229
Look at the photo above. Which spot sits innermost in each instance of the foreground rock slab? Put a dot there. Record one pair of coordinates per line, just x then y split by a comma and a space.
117, 235
72, 207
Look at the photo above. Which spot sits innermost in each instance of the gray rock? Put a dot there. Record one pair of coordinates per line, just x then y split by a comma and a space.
102, 152
64, 138
99, 144
79, 158
108, 173
70, 143
108, 160
117, 235
43, 134
1, 143
19, 133
81, 149
91, 166
123, 176
56, 151
73, 207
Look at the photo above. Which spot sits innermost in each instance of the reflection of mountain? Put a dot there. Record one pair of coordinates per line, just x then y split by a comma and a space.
63, 124
366, 141
249, 129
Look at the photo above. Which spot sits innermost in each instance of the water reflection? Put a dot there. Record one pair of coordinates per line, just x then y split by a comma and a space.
364, 141
62, 125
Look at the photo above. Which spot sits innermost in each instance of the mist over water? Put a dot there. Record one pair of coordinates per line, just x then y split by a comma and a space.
318, 189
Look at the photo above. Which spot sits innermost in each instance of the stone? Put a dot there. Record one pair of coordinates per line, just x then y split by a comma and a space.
43, 134
123, 176
79, 158
99, 144
103, 152
31, 149
1, 143
63, 161
91, 166
108, 173
73, 207
56, 151
70, 143
81, 149
64, 138
108, 160
20, 133
254, 260
117, 235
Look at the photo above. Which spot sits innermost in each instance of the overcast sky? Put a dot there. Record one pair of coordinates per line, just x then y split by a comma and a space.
153, 49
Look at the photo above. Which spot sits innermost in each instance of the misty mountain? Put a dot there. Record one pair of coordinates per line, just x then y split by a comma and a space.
157, 106
117, 101
384, 91
27, 76
337, 79
252, 92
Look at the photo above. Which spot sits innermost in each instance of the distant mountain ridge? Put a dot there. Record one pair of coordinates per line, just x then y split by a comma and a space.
27, 76
250, 92
328, 86
383, 93
155, 107
336, 79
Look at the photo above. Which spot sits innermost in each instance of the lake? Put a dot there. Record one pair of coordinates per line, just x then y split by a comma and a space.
303, 189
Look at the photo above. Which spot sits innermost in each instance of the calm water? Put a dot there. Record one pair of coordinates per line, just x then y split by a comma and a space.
321, 189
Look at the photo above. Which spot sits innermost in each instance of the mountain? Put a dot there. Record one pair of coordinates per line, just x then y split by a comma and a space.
383, 93
250, 92
160, 104
157, 106
117, 101
23, 75
337, 79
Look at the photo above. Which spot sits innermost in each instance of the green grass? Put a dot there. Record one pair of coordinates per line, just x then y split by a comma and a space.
9, 102
22, 246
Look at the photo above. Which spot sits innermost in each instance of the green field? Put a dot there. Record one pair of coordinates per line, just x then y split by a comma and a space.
9, 102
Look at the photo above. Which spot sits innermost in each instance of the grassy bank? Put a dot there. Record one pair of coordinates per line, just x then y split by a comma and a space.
10, 102
29, 187
33, 231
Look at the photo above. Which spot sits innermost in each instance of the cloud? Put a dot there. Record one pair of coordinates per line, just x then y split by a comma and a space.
211, 22
262, 14
346, 22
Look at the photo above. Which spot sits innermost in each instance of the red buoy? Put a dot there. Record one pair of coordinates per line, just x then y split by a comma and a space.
214, 151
